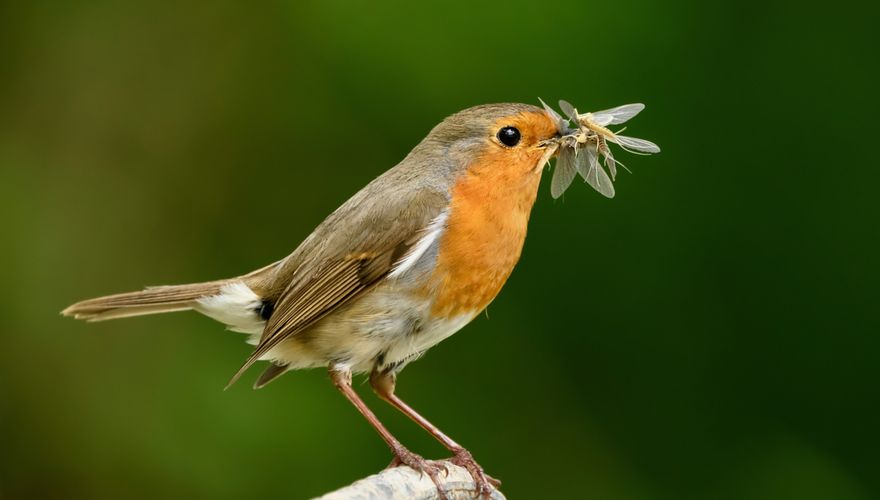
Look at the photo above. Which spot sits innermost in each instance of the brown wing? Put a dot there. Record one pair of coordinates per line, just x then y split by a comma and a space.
269, 374
338, 282
347, 254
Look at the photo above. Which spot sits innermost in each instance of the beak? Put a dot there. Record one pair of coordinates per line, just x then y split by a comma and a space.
550, 147
553, 141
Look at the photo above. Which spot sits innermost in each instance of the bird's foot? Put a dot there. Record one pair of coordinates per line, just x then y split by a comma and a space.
483, 482
402, 456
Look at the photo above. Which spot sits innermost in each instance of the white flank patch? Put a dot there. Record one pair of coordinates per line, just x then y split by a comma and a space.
443, 329
432, 232
236, 306
411, 347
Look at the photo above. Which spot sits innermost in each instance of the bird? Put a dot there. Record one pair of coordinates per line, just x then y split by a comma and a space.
403, 264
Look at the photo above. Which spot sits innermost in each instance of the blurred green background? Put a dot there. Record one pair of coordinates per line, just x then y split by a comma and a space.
712, 332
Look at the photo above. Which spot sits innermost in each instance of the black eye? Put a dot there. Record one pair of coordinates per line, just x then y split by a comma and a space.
509, 136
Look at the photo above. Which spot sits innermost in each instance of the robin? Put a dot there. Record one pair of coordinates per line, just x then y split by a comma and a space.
405, 263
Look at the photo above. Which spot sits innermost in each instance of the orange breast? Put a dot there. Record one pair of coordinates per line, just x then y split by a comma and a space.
486, 228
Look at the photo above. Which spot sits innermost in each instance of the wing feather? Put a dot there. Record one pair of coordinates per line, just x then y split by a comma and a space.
354, 249
304, 303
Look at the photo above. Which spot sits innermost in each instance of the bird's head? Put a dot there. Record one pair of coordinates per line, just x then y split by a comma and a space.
508, 143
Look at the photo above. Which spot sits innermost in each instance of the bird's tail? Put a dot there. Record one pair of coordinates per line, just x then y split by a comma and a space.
153, 300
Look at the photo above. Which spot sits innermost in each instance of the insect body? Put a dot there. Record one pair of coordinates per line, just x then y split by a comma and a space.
587, 121
579, 149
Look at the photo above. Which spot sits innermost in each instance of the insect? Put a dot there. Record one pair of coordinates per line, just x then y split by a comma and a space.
579, 149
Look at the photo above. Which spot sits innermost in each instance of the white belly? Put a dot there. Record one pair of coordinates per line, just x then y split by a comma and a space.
381, 330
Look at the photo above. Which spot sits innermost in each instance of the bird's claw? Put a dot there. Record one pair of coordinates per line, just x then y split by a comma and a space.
432, 469
484, 483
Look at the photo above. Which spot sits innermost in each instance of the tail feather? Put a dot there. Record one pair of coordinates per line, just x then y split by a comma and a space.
153, 300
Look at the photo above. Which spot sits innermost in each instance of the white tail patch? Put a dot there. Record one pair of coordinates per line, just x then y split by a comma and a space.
431, 233
237, 306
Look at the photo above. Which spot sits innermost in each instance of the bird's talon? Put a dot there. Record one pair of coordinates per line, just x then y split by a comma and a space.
483, 482
417, 463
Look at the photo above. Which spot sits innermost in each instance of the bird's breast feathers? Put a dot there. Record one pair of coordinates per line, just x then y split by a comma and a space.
481, 242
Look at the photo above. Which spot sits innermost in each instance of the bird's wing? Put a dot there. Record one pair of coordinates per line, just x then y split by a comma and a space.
343, 260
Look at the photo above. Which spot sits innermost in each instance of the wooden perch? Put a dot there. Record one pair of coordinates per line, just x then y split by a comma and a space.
403, 483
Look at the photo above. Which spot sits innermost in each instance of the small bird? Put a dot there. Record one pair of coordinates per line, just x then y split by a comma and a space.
406, 262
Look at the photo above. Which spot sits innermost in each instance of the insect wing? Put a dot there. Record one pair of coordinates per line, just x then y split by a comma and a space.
601, 182
561, 122
569, 110
597, 178
639, 145
563, 173
585, 158
616, 115
611, 163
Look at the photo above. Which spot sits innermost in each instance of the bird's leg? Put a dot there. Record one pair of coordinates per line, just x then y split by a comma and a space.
383, 384
342, 381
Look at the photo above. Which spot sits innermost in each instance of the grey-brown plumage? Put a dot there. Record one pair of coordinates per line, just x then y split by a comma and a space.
347, 254
403, 264
153, 300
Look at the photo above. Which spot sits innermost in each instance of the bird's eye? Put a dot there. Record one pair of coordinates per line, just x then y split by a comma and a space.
509, 136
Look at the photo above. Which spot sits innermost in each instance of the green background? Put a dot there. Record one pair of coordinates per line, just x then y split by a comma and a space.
710, 333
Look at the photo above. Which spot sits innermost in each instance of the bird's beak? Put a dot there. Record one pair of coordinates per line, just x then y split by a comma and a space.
546, 143
550, 147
